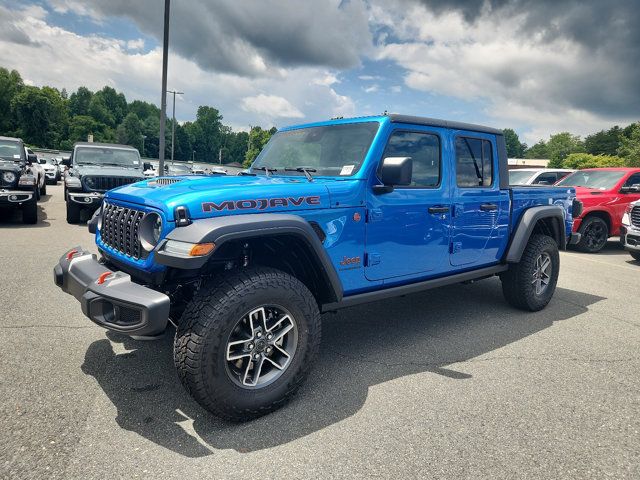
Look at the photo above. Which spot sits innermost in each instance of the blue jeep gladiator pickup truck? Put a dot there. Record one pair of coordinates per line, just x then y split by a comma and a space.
330, 215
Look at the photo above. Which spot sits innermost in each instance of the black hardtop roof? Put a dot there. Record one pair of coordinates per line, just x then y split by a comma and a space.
436, 122
97, 144
14, 139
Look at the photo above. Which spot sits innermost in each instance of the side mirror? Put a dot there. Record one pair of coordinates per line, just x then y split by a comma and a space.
147, 166
631, 189
66, 162
394, 171
32, 158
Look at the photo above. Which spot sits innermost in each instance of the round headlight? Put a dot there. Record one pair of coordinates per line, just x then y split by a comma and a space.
150, 230
89, 182
9, 177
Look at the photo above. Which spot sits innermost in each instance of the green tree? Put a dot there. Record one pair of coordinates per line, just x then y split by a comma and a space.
630, 146
586, 160
143, 109
562, 144
515, 148
41, 115
258, 138
129, 132
539, 150
115, 102
10, 85
81, 126
100, 112
79, 101
604, 142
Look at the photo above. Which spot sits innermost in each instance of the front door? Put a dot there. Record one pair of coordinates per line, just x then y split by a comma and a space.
479, 206
408, 228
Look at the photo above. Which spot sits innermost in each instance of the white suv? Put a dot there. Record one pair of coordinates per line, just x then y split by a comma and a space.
630, 229
537, 176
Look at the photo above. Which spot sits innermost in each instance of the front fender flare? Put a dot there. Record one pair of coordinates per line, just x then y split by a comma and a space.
525, 227
220, 230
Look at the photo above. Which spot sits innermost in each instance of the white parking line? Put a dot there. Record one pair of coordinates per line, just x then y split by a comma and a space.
584, 257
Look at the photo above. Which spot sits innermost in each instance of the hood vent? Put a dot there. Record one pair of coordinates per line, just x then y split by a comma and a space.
160, 182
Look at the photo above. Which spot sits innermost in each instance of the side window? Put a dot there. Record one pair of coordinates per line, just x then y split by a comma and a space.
424, 149
474, 162
546, 178
632, 180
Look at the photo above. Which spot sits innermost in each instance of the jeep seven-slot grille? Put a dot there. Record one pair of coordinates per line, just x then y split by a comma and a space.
635, 216
102, 184
120, 227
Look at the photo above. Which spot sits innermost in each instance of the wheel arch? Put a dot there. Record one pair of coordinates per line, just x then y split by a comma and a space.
285, 242
545, 220
603, 214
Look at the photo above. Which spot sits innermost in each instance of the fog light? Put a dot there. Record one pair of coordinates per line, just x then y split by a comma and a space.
13, 198
87, 199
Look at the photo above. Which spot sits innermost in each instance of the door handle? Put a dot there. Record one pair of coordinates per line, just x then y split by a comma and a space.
438, 209
488, 207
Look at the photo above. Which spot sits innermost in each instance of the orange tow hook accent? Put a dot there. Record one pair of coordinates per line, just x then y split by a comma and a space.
71, 254
103, 277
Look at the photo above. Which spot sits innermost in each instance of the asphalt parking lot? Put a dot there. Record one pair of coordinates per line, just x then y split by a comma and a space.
451, 383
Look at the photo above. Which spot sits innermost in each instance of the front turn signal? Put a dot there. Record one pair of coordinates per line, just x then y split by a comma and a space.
201, 249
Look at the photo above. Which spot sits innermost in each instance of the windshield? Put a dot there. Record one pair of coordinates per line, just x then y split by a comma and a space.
180, 168
519, 177
333, 150
599, 179
51, 161
9, 150
119, 157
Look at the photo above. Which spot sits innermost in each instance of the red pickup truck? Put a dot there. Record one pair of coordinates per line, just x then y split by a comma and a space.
605, 194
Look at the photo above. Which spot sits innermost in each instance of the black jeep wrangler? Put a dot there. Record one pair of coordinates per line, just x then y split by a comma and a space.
95, 168
18, 184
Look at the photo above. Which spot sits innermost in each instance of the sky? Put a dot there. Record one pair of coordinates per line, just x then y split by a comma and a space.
540, 67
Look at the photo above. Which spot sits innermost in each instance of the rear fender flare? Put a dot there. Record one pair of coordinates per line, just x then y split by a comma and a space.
527, 224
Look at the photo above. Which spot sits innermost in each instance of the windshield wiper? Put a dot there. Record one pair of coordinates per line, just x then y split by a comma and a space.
304, 170
267, 170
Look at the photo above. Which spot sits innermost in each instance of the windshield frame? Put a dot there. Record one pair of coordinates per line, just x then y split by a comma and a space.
620, 175
321, 171
106, 164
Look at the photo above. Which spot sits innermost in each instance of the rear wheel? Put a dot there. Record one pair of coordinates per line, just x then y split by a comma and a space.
43, 189
595, 232
73, 213
245, 343
30, 212
530, 283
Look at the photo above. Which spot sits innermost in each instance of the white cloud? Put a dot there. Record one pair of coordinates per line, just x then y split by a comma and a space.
136, 44
270, 106
95, 61
368, 78
371, 88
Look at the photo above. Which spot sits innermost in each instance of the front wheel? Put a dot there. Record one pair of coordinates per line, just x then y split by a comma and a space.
635, 255
530, 283
245, 343
43, 189
595, 232
30, 212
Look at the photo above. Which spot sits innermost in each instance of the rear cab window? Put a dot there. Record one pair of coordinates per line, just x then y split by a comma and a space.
474, 162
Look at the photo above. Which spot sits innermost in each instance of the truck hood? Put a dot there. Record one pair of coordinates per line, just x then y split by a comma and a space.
226, 195
106, 171
593, 197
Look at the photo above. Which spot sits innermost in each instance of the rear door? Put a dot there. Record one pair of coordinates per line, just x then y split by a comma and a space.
408, 228
480, 208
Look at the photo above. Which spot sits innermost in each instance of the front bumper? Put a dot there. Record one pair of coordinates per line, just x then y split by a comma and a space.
630, 238
14, 197
111, 299
87, 199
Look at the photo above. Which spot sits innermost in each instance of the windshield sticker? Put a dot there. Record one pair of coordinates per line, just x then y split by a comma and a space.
347, 169
260, 204
16, 156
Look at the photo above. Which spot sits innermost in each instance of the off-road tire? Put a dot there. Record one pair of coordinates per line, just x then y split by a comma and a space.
73, 213
206, 324
30, 212
517, 285
635, 255
586, 244
43, 189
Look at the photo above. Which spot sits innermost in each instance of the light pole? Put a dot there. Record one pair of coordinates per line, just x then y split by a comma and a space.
173, 123
163, 102
143, 137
